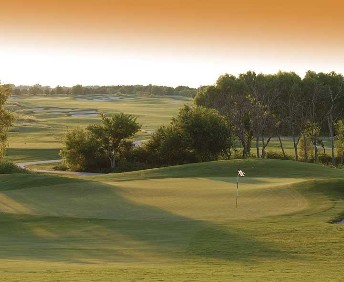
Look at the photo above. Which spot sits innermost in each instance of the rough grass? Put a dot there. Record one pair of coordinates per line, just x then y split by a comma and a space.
175, 224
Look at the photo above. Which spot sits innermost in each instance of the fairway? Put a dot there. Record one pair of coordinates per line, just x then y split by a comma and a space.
44, 120
175, 224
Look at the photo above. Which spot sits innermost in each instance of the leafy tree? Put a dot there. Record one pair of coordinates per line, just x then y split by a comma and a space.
6, 118
59, 90
81, 151
36, 89
262, 99
77, 89
333, 89
305, 147
195, 134
339, 128
112, 134
289, 108
167, 146
206, 132
230, 96
310, 141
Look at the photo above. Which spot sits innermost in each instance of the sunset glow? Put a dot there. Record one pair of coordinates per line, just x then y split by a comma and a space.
166, 42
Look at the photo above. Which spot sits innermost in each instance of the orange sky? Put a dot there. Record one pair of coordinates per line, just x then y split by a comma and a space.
232, 36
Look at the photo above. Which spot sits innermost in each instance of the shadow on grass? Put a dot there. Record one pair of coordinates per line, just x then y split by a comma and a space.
141, 233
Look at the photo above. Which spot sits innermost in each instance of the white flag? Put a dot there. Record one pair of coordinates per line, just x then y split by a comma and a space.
241, 173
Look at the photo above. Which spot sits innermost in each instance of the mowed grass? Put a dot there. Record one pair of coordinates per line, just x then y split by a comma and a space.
175, 224
43, 120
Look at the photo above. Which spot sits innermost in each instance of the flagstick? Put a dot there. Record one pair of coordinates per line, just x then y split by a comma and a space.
237, 193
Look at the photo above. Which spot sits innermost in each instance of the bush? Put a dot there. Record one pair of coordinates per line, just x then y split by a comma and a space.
8, 168
278, 156
327, 160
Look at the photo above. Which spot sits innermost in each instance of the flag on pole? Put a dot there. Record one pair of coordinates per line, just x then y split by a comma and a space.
241, 173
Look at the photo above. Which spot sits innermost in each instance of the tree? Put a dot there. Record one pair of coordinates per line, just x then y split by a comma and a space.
206, 132
6, 118
167, 146
230, 96
262, 97
310, 140
333, 89
59, 90
339, 128
77, 89
290, 106
36, 89
112, 134
81, 151
195, 134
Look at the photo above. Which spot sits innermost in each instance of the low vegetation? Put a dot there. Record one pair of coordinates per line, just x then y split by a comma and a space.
9, 167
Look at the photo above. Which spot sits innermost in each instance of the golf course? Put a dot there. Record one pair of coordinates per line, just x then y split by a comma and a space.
171, 141
177, 223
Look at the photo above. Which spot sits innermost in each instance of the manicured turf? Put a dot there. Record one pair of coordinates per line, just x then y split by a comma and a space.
43, 120
175, 224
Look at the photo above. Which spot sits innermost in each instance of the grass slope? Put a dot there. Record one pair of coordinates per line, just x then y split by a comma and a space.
175, 224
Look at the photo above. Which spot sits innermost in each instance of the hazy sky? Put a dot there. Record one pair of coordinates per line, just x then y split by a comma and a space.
165, 42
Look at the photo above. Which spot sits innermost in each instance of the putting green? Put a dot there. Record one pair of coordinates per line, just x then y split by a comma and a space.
175, 224
194, 198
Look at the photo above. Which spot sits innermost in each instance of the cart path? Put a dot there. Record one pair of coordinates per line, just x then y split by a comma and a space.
25, 164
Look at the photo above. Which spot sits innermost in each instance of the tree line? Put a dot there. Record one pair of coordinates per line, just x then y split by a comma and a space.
235, 114
147, 90
231, 117
261, 106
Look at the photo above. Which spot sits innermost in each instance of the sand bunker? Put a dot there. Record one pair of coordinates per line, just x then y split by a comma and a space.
83, 113
98, 99
57, 113
67, 111
52, 109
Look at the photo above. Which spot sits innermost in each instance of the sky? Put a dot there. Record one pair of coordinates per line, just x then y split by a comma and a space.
165, 42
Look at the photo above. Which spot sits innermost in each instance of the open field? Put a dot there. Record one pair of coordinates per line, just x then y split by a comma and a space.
43, 120
175, 224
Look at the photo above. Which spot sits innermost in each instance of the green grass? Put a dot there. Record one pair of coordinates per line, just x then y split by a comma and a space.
38, 132
175, 224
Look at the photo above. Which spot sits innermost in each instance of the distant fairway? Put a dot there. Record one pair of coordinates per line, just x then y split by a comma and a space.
175, 224
43, 120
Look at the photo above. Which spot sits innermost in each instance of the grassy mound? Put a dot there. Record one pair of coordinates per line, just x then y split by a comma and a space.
252, 167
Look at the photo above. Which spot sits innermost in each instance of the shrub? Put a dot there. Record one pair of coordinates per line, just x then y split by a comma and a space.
327, 160
8, 168
278, 156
